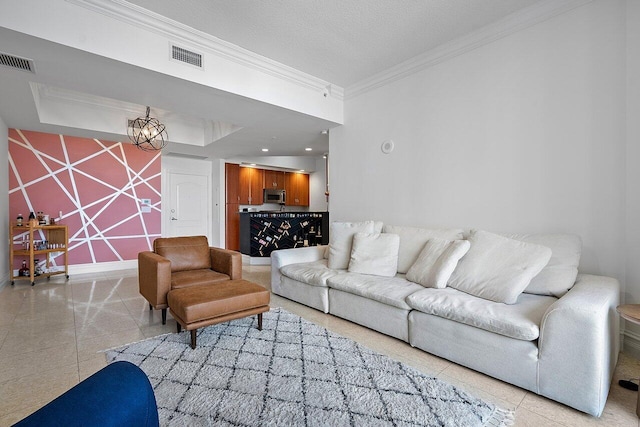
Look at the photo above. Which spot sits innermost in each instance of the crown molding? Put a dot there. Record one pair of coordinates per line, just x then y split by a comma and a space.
145, 19
511, 24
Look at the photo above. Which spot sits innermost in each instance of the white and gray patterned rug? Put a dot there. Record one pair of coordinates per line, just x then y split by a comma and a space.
293, 373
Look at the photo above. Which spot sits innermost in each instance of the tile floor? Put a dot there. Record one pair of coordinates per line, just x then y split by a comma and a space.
51, 335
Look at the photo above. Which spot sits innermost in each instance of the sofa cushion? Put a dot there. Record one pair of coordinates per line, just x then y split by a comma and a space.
436, 262
559, 275
312, 273
374, 253
413, 239
340, 240
498, 268
206, 276
520, 321
387, 290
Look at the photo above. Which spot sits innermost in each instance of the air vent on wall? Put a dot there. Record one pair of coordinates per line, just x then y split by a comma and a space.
186, 56
17, 63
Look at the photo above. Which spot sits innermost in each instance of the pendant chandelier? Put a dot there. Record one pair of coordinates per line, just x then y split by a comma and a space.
147, 133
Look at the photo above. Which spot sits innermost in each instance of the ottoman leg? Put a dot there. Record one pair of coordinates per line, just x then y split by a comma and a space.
164, 316
260, 321
193, 338
178, 327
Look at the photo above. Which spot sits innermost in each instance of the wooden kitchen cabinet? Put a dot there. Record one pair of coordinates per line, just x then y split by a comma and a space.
232, 181
297, 189
250, 186
273, 180
232, 227
232, 221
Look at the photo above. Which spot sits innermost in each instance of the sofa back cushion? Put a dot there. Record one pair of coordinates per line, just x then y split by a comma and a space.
374, 253
185, 253
436, 262
559, 275
498, 268
340, 240
413, 239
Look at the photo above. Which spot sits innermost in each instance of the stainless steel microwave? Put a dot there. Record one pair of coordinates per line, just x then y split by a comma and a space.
274, 196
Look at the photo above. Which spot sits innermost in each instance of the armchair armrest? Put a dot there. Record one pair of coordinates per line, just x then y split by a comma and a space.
283, 257
154, 278
227, 262
579, 344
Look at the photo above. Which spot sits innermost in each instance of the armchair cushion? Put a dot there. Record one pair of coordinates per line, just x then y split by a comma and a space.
185, 253
206, 276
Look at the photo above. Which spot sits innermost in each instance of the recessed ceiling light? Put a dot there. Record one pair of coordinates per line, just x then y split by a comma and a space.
252, 164
324, 132
265, 149
308, 149
301, 170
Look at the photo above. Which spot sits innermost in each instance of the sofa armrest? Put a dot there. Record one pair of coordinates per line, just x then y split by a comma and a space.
283, 257
119, 395
227, 262
154, 278
579, 344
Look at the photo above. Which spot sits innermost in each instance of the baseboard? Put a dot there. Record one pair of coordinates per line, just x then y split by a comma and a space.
253, 260
101, 267
631, 343
3, 281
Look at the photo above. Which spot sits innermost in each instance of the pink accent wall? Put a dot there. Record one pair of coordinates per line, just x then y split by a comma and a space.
96, 184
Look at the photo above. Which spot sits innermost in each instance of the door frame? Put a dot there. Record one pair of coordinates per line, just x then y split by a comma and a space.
178, 165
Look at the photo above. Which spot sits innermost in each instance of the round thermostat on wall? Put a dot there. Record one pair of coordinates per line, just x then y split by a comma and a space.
387, 146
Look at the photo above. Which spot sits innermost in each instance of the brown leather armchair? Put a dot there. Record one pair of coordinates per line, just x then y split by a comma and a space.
179, 262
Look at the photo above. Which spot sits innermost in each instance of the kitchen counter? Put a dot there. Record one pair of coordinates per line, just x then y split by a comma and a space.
265, 231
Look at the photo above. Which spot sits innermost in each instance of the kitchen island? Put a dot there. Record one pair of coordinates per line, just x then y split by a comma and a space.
266, 231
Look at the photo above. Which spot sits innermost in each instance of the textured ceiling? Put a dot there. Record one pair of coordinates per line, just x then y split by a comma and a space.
340, 41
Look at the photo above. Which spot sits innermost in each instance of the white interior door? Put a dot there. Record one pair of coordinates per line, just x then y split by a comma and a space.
187, 198
188, 213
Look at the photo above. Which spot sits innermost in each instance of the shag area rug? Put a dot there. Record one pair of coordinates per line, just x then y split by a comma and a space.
293, 373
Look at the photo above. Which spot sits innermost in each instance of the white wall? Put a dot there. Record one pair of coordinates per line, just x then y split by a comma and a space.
317, 187
4, 206
632, 294
524, 134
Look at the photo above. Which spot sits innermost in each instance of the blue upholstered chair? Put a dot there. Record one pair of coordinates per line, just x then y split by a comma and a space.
118, 395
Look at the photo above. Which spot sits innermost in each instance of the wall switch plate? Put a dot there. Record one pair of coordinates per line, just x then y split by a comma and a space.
145, 205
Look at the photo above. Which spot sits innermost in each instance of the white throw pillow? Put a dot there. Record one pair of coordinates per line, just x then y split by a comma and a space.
340, 238
559, 275
375, 253
413, 239
498, 268
436, 262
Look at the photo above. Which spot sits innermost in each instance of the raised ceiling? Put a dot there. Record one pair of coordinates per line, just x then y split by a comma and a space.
340, 42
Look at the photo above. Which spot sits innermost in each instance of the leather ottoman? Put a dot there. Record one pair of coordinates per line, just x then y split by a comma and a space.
199, 306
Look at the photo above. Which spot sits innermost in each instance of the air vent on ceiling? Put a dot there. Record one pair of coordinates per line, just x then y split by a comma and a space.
186, 56
17, 63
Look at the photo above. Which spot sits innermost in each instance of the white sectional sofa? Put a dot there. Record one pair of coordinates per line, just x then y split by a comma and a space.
525, 316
